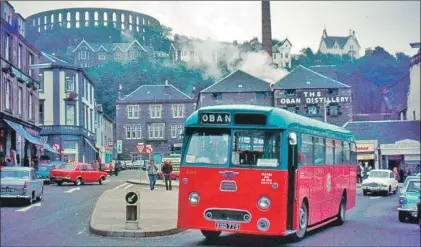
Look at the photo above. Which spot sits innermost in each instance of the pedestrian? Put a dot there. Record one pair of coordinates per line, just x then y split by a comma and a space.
167, 170
396, 173
117, 166
152, 171
9, 162
359, 172
26, 161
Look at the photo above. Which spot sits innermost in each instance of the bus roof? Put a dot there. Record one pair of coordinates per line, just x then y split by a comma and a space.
276, 119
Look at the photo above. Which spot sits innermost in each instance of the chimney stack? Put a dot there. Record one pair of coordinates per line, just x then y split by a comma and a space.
353, 33
120, 92
350, 32
166, 83
266, 28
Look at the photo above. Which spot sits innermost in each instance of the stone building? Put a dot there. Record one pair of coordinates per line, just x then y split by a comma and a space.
151, 115
340, 45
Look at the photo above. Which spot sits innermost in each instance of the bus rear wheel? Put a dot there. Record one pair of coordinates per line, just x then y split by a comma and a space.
342, 212
302, 223
211, 235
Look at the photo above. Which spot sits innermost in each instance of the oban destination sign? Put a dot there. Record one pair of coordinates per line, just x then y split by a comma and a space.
222, 118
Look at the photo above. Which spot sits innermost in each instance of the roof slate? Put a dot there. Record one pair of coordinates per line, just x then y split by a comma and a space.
387, 132
156, 93
238, 82
304, 78
48, 58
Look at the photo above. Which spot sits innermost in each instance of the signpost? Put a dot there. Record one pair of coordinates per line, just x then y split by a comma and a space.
132, 210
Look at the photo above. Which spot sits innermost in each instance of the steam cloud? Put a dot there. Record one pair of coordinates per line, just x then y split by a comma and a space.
257, 64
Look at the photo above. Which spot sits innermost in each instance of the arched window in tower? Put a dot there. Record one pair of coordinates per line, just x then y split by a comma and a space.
114, 17
77, 16
52, 18
45, 19
60, 17
96, 16
105, 16
96, 23
137, 29
69, 16
69, 24
86, 16
122, 17
130, 19
137, 20
122, 26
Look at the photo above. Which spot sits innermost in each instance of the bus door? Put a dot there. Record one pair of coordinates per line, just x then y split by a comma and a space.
292, 167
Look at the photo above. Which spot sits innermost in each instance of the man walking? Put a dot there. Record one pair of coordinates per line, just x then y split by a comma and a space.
152, 171
166, 170
117, 166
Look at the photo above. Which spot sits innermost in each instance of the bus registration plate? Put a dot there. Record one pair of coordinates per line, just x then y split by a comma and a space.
230, 226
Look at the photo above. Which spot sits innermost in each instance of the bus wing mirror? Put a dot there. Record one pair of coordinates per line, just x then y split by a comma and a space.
292, 139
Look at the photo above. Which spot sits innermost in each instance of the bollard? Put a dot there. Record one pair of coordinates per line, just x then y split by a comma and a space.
132, 210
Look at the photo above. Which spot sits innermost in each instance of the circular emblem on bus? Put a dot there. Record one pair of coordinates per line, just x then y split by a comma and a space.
328, 182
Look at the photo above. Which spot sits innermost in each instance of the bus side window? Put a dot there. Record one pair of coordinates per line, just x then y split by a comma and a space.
319, 151
347, 153
329, 151
307, 149
338, 152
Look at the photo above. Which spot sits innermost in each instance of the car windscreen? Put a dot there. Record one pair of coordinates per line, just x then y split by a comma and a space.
413, 186
14, 174
67, 167
379, 174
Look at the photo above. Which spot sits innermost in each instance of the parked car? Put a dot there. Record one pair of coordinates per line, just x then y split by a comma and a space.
419, 213
44, 170
77, 173
408, 201
380, 180
405, 183
174, 175
21, 183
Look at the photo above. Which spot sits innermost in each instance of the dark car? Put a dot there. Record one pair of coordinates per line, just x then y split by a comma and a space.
419, 214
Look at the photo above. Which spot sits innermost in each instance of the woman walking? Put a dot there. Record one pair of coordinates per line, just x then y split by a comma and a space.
152, 171
166, 170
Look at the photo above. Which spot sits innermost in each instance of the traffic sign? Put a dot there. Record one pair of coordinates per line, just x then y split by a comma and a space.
131, 197
140, 148
149, 149
56, 147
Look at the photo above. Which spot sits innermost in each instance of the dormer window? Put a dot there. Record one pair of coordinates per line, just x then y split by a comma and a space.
217, 96
333, 91
82, 55
290, 93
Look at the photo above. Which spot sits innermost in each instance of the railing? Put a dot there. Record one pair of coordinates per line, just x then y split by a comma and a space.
67, 130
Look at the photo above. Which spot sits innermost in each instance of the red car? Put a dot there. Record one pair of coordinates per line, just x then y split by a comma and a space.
174, 175
77, 173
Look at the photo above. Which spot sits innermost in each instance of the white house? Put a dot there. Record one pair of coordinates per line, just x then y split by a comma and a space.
413, 108
346, 45
281, 53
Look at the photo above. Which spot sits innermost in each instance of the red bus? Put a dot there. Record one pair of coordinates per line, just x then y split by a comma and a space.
264, 171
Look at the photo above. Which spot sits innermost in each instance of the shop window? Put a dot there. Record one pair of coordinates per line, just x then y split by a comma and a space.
333, 110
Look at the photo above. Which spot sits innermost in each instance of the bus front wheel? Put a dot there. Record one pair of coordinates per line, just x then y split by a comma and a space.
211, 235
302, 223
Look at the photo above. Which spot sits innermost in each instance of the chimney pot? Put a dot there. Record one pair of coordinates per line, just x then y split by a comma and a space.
350, 32
353, 33
166, 83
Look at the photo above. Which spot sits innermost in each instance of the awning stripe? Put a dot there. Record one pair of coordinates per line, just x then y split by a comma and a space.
90, 144
49, 148
19, 128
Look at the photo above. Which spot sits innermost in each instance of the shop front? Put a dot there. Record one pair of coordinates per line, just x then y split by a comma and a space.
404, 154
367, 153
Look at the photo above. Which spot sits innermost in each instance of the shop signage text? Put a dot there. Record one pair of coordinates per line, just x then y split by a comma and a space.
313, 98
365, 148
400, 146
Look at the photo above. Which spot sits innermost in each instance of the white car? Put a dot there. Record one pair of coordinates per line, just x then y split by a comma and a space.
380, 180
21, 183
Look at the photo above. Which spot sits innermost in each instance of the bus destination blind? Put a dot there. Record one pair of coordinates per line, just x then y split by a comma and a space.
219, 118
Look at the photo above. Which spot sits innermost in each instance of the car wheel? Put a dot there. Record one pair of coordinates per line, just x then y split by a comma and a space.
302, 223
60, 183
365, 192
341, 212
211, 235
387, 193
39, 198
101, 179
402, 216
78, 182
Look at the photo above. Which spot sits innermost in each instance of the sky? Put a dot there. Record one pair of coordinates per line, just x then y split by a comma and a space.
390, 24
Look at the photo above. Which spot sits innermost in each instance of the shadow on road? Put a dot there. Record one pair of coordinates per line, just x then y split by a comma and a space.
13, 203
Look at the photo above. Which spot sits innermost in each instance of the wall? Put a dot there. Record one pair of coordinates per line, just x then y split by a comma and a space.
414, 89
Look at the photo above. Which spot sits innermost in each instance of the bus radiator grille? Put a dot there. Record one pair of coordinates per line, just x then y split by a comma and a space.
227, 215
229, 186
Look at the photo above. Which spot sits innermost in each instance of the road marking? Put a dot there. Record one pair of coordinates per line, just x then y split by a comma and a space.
374, 197
71, 190
121, 185
29, 207
128, 186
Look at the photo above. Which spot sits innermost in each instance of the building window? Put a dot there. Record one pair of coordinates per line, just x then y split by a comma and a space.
70, 145
101, 56
292, 108
70, 85
41, 112
8, 96
20, 56
156, 131
176, 131
286, 55
312, 110
7, 46
155, 111
118, 55
133, 111
260, 95
217, 96
21, 26
30, 62
351, 47
134, 54
178, 111
70, 114
333, 91
290, 92
133, 131
20, 94
82, 55
7, 13
30, 106
274, 55
333, 110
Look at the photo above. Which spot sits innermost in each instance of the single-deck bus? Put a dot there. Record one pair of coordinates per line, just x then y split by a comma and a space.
263, 170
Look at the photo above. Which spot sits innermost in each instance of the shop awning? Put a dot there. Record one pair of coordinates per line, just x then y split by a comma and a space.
48, 148
21, 131
90, 144
366, 157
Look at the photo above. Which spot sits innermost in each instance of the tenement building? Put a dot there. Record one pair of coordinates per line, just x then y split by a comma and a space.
153, 116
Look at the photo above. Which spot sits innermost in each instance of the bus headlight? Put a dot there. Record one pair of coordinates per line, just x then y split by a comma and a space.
263, 202
194, 198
